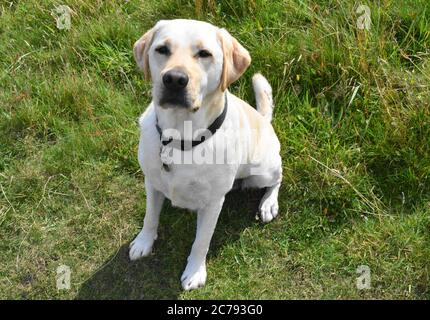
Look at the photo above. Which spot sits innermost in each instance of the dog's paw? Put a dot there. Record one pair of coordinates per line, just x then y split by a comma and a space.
194, 276
269, 209
141, 246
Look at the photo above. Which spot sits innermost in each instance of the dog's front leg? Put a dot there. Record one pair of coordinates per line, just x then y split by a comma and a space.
194, 275
142, 244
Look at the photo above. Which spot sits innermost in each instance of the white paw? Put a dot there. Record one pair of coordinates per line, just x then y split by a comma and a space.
141, 245
269, 209
194, 276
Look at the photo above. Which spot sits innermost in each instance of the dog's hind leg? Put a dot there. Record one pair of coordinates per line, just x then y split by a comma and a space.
271, 180
142, 244
268, 208
269, 203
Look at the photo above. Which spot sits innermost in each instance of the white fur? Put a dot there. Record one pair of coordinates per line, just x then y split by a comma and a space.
202, 187
263, 95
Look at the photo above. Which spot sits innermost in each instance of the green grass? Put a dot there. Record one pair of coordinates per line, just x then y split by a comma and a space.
352, 113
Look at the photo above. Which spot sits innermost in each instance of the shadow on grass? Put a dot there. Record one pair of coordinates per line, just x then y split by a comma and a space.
157, 276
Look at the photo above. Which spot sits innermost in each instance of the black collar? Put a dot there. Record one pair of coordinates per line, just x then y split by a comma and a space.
212, 129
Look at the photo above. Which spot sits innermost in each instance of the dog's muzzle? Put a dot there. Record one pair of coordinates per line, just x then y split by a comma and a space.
174, 92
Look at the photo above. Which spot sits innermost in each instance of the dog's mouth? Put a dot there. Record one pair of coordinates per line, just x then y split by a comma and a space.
174, 99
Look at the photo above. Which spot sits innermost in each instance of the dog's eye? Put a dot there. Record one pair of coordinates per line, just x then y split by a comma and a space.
163, 50
203, 54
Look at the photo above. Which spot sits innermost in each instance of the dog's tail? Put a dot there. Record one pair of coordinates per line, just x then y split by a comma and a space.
263, 96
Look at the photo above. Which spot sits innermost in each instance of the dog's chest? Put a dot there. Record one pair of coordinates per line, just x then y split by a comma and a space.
188, 186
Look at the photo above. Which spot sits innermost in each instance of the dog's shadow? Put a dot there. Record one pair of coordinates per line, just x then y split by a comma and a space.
157, 276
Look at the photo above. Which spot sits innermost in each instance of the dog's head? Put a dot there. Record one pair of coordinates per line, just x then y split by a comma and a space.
188, 60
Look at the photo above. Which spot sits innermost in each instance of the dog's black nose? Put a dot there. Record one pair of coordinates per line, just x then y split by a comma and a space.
175, 79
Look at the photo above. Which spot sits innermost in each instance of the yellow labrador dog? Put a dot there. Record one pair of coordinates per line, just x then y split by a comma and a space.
196, 138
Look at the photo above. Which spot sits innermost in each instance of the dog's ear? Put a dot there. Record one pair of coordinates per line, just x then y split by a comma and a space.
140, 50
236, 59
